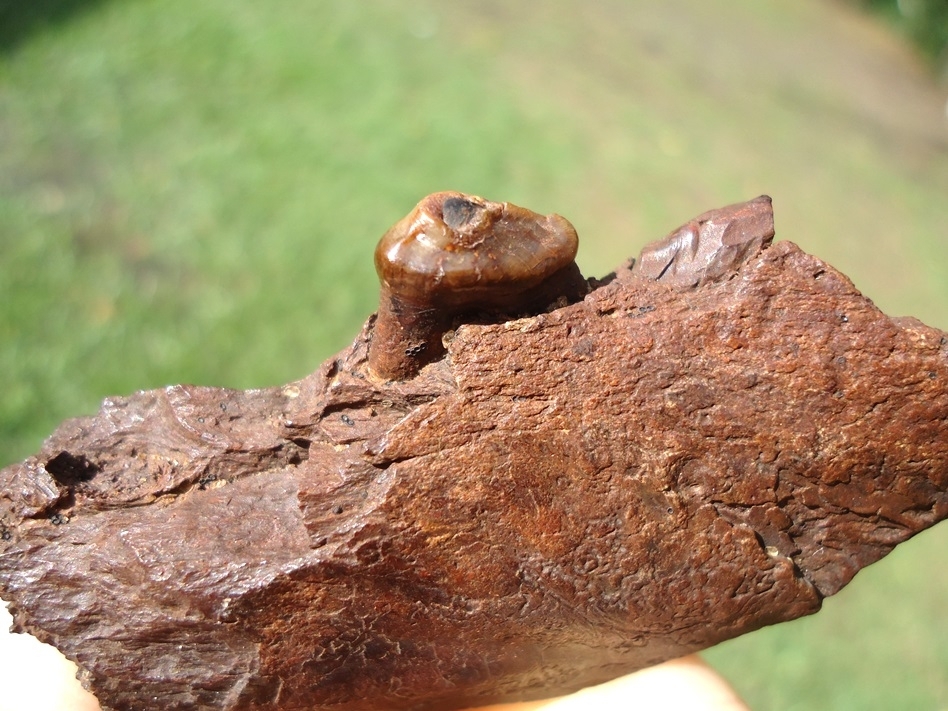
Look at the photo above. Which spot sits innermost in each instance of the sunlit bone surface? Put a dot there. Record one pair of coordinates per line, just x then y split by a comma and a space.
684, 455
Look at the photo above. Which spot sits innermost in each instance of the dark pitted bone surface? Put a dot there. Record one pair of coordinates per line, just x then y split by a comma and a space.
558, 500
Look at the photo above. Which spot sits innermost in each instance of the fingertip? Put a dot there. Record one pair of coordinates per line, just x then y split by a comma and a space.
685, 684
35, 676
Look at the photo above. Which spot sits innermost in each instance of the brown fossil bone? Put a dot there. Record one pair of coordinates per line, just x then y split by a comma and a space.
707, 248
560, 499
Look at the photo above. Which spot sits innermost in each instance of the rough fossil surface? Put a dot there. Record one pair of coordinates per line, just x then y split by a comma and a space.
686, 454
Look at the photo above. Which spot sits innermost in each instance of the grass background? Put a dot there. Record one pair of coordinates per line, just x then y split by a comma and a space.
191, 192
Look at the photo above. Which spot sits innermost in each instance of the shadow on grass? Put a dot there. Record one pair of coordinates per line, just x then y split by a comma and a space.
19, 19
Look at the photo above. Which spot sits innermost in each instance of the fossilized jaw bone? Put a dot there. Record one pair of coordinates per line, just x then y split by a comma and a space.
558, 500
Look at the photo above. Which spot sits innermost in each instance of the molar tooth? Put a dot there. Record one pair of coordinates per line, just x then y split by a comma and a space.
457, 257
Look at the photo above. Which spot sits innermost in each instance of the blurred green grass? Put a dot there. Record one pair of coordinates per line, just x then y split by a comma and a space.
925, 22
191, 192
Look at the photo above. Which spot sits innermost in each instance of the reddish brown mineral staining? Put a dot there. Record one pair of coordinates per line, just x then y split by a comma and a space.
710, 441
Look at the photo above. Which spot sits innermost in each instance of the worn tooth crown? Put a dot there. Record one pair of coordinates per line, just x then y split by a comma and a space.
457, 253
